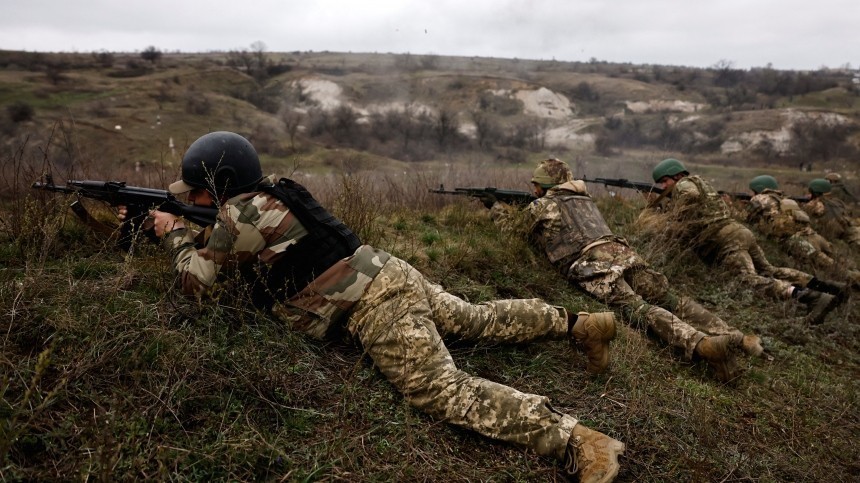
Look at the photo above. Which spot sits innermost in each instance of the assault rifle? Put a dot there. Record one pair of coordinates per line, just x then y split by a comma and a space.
137, 200
650, 188
506, 196
625, 183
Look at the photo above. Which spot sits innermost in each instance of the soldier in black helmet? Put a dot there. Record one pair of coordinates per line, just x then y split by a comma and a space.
312, 273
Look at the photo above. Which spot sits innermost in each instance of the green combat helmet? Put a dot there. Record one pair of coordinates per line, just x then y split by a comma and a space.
763, 182
668, 167
552, 172
819, 186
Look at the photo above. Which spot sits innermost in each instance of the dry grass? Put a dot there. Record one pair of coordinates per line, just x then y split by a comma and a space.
108, 375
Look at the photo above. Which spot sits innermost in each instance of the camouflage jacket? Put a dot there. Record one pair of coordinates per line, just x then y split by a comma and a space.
564, 223
852, 202
777, 216
257, 227
695, 210
829, 216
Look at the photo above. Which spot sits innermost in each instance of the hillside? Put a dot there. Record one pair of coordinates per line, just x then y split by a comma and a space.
109, 375
386, 112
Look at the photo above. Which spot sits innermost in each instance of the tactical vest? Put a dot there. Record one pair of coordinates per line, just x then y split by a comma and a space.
789, 219
582, 224
710, 213
327, 241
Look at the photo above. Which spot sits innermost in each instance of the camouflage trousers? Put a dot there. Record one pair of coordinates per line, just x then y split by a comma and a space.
735, 247
617, 276
400, 321
809, 246
852, 235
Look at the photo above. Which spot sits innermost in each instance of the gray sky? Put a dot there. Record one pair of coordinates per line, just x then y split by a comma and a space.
789, 34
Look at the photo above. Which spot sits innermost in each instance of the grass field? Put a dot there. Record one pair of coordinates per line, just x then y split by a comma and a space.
109, 375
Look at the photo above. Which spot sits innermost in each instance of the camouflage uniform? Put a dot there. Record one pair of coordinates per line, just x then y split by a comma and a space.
697, 216
830, 218
782, 219
399, 317
839, 190
567, 225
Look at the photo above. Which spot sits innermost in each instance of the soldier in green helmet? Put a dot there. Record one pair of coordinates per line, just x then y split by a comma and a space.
695, 215
783, 220
565, 223
830, 215
311, 272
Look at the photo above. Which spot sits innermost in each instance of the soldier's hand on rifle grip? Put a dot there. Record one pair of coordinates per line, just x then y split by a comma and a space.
158, 221
164, 223
122, 214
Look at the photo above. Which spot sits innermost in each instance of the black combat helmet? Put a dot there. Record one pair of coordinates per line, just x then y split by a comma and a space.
223, 163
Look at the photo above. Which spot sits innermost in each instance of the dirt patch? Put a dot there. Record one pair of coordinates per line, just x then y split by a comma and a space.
324, 93
540, 102
658, 105
780, 139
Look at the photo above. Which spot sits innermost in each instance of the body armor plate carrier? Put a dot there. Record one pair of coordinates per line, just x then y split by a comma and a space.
327, 241
582, 225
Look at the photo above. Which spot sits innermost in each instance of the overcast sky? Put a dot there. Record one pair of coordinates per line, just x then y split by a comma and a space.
789, 34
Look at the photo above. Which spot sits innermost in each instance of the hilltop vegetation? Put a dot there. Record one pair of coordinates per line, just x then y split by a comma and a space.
109, 375
353, 112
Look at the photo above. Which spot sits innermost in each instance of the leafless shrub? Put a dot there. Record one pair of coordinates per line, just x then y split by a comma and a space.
197, 103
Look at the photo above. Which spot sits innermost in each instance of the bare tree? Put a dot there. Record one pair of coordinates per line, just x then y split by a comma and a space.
445, 127
151, 54
292, 121
487, 129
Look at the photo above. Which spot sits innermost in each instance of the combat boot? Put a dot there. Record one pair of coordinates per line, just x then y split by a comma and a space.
820, 304
718, 351
751, 344
593, 333
593, 455
838, 289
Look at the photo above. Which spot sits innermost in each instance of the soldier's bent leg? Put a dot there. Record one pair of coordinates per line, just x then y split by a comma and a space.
701, 318
394, 322
666, 325
802, 248
653, 286
617, 293
707, 322
740, 263
497, 321
764, 267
